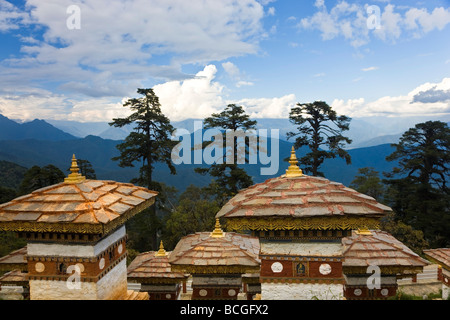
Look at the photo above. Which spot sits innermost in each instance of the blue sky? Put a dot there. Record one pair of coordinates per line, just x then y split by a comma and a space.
56, 63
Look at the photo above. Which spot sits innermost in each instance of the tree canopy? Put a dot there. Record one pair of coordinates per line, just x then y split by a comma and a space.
320, 129
228, 177
148, 143
417, 187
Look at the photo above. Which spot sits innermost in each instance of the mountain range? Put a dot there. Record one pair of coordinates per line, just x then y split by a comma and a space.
364, 131
40, 143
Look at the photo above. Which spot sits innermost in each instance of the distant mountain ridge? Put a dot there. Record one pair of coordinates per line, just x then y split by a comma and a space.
36, 129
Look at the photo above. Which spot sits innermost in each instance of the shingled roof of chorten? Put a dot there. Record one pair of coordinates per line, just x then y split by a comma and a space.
440, 256
153, 267
14, 260
295, 195
216, 252
379, 248
76, 205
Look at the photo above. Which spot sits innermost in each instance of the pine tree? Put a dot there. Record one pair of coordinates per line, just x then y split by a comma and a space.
418, 190
229, 178
319, 126
149, 143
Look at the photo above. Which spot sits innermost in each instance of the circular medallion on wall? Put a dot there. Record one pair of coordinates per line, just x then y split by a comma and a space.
357, 292
276, 267
384, 292
120, 248
168, 296
39, 267
101, 264
203, 292
325, 269
231, 292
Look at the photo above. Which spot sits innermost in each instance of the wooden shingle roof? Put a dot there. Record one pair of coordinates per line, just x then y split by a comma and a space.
308, 199
440, 256
90, 206
153, 267
204, 252
14, 260
379, 248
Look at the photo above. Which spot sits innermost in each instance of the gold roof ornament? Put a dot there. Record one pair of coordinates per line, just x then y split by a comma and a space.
74, 176
161, 252
364, 231
293, 170
218, 232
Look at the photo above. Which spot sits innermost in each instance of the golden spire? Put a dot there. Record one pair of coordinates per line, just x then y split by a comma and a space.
161, 252
217, 233
74, 176
293, 170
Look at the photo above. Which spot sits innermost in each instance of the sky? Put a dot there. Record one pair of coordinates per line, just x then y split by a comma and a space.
81, 60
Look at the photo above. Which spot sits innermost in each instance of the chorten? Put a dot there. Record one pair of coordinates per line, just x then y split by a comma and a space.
216, 260
374, 260
76, 238
300, 221
152, 270
441, 256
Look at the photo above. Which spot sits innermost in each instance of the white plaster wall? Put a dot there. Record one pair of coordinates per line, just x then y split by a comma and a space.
301, 291
114, 284
363, 280
58, 290
8, 292
445, 292
322, 249
69, 250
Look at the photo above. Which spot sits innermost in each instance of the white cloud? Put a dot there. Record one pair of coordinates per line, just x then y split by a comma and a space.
191, 98
369, 69
426, 99
232, 70
268, 107
126, 40
235, 74
242, 83
11, 17
350, 21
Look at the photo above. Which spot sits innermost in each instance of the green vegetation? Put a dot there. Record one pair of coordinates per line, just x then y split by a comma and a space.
37, 177
417, 189
11, 174
149, 143
319, 126
229, 178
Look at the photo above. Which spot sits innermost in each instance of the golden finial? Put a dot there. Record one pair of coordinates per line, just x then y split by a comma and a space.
74, 176
161, 252
364, 231
293, 170
217, 233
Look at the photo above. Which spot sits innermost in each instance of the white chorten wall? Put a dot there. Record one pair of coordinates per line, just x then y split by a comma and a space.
301, 291
91, 272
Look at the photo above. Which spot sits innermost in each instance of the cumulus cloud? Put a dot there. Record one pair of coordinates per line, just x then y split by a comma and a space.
32, 104
277, 107
235, 74
426, 99
350, 21
192, 98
